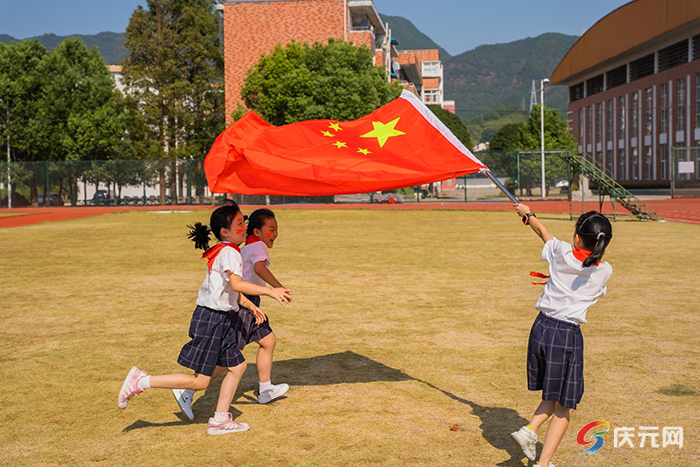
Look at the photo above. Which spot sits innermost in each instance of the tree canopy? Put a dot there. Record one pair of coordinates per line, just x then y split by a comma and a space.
455, 124
299, 82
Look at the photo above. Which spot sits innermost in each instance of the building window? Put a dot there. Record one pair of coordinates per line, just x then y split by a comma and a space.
594, 85
680, 105
647, 111
431, 96
576, 92
635, 163
663, 104
642, 67
599, 159
589, 119
617, 76
673, 55
621, 165
635, 112
609, 163
663, 156
609, 120
696, 47
598, 122
621, 118
647, 162
431, 69
697, 100
580, 126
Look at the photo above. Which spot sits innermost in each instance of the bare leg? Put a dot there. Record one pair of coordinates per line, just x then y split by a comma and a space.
555, 433
543, 412
264, 358
180, 381
229, 386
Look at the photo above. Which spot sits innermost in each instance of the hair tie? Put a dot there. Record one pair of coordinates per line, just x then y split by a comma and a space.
209, 229
600, 234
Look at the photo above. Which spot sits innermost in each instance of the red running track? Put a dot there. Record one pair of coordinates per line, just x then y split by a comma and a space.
678, 210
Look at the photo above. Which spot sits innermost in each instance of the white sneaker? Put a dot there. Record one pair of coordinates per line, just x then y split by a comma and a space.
273, 393
551, 464
526, 440
184, 400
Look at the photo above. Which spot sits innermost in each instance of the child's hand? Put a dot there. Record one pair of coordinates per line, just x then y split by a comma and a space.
281, 294
258, 314
522, 209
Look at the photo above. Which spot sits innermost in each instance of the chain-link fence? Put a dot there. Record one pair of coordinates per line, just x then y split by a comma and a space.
684, 172
183, 181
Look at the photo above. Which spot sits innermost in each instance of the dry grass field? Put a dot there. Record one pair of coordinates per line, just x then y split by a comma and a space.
405, 344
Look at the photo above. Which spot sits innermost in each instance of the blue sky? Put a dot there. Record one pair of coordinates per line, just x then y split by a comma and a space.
456, 25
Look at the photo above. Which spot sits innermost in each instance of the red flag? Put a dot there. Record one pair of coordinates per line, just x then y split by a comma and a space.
398, 145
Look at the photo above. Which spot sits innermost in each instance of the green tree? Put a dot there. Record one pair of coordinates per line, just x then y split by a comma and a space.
455, 124
77, 117
527, 137
299, 82
173, 75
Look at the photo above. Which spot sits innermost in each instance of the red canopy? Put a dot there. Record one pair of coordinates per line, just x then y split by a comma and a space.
398, 145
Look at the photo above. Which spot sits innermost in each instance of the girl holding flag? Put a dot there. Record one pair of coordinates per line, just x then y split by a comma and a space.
215, 322
555, 349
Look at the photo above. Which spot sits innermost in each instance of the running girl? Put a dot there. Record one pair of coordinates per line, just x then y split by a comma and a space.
215, 323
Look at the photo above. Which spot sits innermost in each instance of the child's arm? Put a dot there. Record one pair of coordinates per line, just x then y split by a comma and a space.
280, 294
257, 312
265, 274
534, 222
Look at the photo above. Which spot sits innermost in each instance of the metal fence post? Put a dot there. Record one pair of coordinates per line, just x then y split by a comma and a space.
94, 163
189, 182
46, 193
143, 166
673, 173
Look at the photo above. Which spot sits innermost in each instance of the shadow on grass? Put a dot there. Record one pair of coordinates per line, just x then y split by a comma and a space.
347, 368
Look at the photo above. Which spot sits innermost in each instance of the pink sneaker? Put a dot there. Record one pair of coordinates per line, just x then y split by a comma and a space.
130, 388
227, 426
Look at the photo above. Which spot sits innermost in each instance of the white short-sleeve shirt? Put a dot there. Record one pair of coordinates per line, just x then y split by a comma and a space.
571, 289
216, 292
254, 253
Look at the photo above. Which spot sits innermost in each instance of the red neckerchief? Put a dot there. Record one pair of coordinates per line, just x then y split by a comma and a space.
581, 255
214, 251
252, 239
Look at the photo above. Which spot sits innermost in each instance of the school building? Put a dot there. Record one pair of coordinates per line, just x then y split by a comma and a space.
634, 91
253, 28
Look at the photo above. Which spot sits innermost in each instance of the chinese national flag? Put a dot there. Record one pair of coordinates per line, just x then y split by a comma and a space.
398, 145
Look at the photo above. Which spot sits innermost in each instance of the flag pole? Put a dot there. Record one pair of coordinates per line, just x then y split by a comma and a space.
501, 187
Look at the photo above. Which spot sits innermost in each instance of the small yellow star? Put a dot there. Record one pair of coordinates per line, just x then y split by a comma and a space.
364, 151
335, 126
383, 131
328, 133
340, 144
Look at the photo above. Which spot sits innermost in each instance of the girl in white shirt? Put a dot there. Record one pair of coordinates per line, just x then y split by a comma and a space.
262, 233
555, 349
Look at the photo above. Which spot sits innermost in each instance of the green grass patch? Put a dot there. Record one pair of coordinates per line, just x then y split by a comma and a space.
678, 390
405, 325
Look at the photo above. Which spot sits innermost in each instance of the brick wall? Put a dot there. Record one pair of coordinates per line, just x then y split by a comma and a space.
254, 28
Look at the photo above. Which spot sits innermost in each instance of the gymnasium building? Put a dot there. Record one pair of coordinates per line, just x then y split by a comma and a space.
634, 92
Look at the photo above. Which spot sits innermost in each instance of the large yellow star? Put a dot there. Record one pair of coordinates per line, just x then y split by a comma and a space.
383, 131
335, 126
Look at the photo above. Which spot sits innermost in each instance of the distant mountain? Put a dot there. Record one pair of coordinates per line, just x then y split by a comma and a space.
492, 76
409, 37
111, 44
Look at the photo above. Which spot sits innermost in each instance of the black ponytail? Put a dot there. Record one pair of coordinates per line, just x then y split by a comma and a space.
221, 218
258, 218
595, 232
